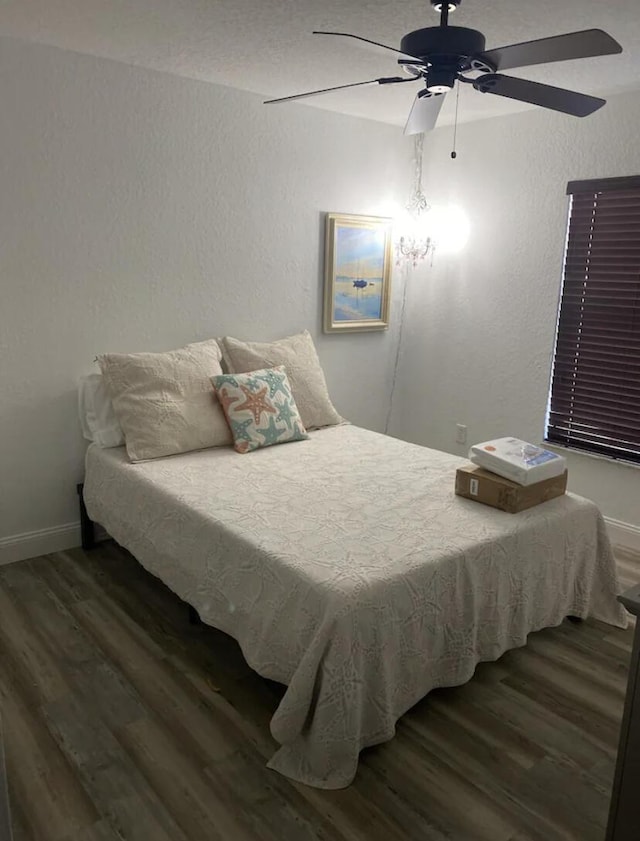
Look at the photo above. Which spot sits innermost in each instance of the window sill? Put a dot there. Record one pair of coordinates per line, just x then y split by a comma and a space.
574, 451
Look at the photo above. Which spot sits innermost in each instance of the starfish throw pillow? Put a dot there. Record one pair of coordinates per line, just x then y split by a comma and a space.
260, 408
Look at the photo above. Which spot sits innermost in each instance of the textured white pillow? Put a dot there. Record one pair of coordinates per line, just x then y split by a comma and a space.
97, 417
164, 401
298, 356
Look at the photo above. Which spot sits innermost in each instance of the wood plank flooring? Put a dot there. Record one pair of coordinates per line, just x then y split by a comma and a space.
122, 721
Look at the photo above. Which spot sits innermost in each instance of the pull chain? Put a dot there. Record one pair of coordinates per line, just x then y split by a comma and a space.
454, 154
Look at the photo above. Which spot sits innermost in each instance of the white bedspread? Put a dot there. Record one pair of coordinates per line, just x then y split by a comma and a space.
348, 570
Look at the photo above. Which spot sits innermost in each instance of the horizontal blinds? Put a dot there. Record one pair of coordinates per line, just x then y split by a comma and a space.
595, 386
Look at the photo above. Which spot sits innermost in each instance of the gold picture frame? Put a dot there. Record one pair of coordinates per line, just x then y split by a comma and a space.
357, 286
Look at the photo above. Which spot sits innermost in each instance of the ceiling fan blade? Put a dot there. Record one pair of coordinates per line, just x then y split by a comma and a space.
371, 43
558, 99
424, 113
585, 44
388, 80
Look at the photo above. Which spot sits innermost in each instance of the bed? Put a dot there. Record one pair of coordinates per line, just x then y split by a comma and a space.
348, 570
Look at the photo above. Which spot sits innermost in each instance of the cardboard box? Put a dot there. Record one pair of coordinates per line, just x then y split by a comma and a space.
473, 482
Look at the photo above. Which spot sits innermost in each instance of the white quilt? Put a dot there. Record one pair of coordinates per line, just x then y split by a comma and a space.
348, 570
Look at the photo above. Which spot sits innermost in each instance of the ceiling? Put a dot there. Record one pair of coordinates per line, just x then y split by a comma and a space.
266, 46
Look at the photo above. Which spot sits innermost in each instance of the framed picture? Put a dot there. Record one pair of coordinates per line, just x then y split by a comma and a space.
357, 273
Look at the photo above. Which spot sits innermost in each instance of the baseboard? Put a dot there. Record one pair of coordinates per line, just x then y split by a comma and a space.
30, 544
623, 534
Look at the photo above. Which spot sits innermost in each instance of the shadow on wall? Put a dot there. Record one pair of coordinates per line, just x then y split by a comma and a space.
45, 480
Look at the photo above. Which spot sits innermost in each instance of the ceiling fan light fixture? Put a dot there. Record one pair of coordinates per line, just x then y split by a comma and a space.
441, 79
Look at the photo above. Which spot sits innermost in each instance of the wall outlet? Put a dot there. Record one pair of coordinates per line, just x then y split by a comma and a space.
461, 433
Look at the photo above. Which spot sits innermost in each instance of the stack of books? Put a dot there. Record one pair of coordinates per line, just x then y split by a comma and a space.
512, 475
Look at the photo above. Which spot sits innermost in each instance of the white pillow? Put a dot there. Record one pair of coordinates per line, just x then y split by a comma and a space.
299, 357
97, 418
165, 402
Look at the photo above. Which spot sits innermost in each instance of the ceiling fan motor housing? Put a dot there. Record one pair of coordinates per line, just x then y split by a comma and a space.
457, 41
447, 51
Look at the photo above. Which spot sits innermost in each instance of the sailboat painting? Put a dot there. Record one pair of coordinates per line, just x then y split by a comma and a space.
357, 273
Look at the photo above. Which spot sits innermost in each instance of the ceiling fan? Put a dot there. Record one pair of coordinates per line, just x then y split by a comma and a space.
440, 55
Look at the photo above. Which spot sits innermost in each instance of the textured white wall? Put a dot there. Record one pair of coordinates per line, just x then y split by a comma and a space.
141, 211
479, 332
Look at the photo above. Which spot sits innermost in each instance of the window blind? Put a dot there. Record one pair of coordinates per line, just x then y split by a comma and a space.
594, 401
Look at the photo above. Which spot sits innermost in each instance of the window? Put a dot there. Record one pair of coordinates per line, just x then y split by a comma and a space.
594, 402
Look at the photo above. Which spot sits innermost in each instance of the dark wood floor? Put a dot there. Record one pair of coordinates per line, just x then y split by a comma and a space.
122, 721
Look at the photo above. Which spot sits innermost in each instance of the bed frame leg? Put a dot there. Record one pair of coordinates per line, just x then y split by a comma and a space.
87, 526
194, 616
575, 619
